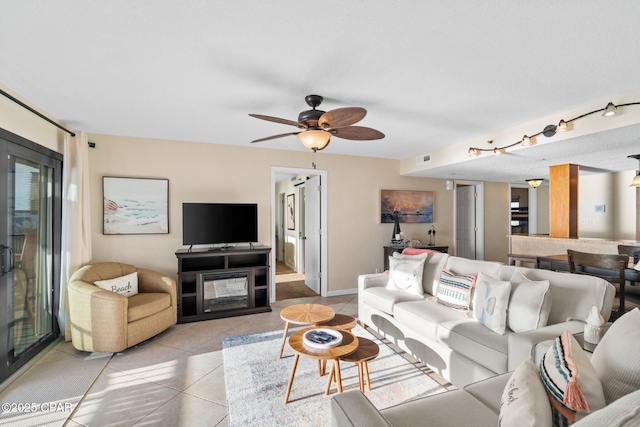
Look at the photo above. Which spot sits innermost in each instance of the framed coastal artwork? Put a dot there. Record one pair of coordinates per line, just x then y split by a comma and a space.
411, 206
135, 205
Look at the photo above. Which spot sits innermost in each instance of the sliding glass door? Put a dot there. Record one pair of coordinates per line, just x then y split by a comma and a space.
30, 218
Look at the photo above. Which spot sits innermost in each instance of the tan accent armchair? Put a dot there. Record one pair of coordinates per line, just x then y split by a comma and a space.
105, 321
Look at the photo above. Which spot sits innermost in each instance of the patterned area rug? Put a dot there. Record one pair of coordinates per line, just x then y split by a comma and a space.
256, 382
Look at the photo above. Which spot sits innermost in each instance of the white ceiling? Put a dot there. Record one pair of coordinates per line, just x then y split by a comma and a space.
430, 73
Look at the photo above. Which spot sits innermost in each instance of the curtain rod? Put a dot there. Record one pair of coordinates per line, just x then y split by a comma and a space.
42, 116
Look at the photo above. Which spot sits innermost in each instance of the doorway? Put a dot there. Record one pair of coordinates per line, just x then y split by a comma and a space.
469, 219
30, 208
300, 241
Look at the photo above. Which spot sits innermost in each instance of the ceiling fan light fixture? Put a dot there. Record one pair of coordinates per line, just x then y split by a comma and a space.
535, 182
610, 110
314, 139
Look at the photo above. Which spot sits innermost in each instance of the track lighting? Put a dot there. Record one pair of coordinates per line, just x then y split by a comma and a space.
562, 126
610, 110
526, 141
550, 130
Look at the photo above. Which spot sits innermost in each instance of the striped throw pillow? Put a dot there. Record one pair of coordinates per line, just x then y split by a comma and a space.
572, 384
455, 290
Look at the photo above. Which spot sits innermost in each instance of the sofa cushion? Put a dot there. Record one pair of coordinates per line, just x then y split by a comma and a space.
452, 408
524, 401
489, 391
616, 358
624, 412
472, 266
473, 340
405, 273
424, 316
124, 285
490, 302
564, 289
529, 303
454, 290
384, 299
147, 304
433, 266
571, 382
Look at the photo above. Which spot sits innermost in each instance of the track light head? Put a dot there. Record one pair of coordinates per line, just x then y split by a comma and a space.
610, 110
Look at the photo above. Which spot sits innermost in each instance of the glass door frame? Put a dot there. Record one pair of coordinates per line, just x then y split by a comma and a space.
19, 147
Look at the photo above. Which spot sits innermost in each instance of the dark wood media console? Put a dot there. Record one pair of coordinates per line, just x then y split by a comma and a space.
222, 283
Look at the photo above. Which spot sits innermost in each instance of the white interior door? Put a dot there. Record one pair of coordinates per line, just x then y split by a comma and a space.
466, 221
312, 237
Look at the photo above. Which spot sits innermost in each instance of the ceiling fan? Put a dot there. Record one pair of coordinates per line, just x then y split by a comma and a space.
319, 126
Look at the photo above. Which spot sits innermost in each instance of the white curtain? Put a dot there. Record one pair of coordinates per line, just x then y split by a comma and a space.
76, 217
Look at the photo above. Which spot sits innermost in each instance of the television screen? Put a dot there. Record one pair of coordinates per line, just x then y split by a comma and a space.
211, 223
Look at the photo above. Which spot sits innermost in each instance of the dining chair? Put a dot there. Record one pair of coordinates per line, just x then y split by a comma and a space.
610, 267
631, 251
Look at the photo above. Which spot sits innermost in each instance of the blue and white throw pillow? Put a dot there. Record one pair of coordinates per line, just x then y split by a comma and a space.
490, 302
454, 290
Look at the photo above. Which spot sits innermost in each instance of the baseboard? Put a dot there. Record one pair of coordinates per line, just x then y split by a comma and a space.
342, 292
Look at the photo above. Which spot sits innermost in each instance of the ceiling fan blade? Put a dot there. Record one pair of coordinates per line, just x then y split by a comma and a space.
341, 117
277, 120
358, 133
275, 136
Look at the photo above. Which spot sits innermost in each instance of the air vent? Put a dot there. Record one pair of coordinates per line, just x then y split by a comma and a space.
426, 158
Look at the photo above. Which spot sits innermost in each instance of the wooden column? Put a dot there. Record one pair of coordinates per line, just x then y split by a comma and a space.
563, 201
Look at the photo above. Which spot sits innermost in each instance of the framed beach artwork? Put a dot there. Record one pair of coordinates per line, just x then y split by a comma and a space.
411, 206
135, 205
291, 212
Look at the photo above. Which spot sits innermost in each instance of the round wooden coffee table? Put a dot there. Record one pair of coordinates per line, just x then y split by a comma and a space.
348, 345
367, 350
340, 321
304, 314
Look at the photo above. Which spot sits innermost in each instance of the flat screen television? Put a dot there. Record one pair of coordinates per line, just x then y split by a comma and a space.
219, 223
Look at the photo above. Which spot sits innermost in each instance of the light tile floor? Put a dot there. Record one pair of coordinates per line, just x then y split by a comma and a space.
177, 378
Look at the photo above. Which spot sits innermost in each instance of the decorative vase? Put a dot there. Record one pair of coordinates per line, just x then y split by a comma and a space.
593, 334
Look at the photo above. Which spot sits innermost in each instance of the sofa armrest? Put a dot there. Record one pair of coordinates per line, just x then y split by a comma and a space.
353, 409
152, 281
372, 280
522, 345
97, 317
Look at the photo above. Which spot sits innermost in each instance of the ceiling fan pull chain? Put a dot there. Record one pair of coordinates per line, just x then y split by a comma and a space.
313, 158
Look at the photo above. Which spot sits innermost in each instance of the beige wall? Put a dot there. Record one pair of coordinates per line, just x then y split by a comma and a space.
221, 173
618, 221
20, 121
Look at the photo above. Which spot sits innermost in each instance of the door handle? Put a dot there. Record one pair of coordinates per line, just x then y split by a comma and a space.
6, 262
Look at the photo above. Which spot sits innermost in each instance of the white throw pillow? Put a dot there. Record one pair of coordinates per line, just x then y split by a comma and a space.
616, 358
524, 402
490, 302
529, 304
405, 274
571, 382
125, 285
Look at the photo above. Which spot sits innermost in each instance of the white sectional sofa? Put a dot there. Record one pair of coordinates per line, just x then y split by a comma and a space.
462, 349
505, 400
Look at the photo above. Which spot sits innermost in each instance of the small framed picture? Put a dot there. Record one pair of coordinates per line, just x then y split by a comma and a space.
135, 205
291, 212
